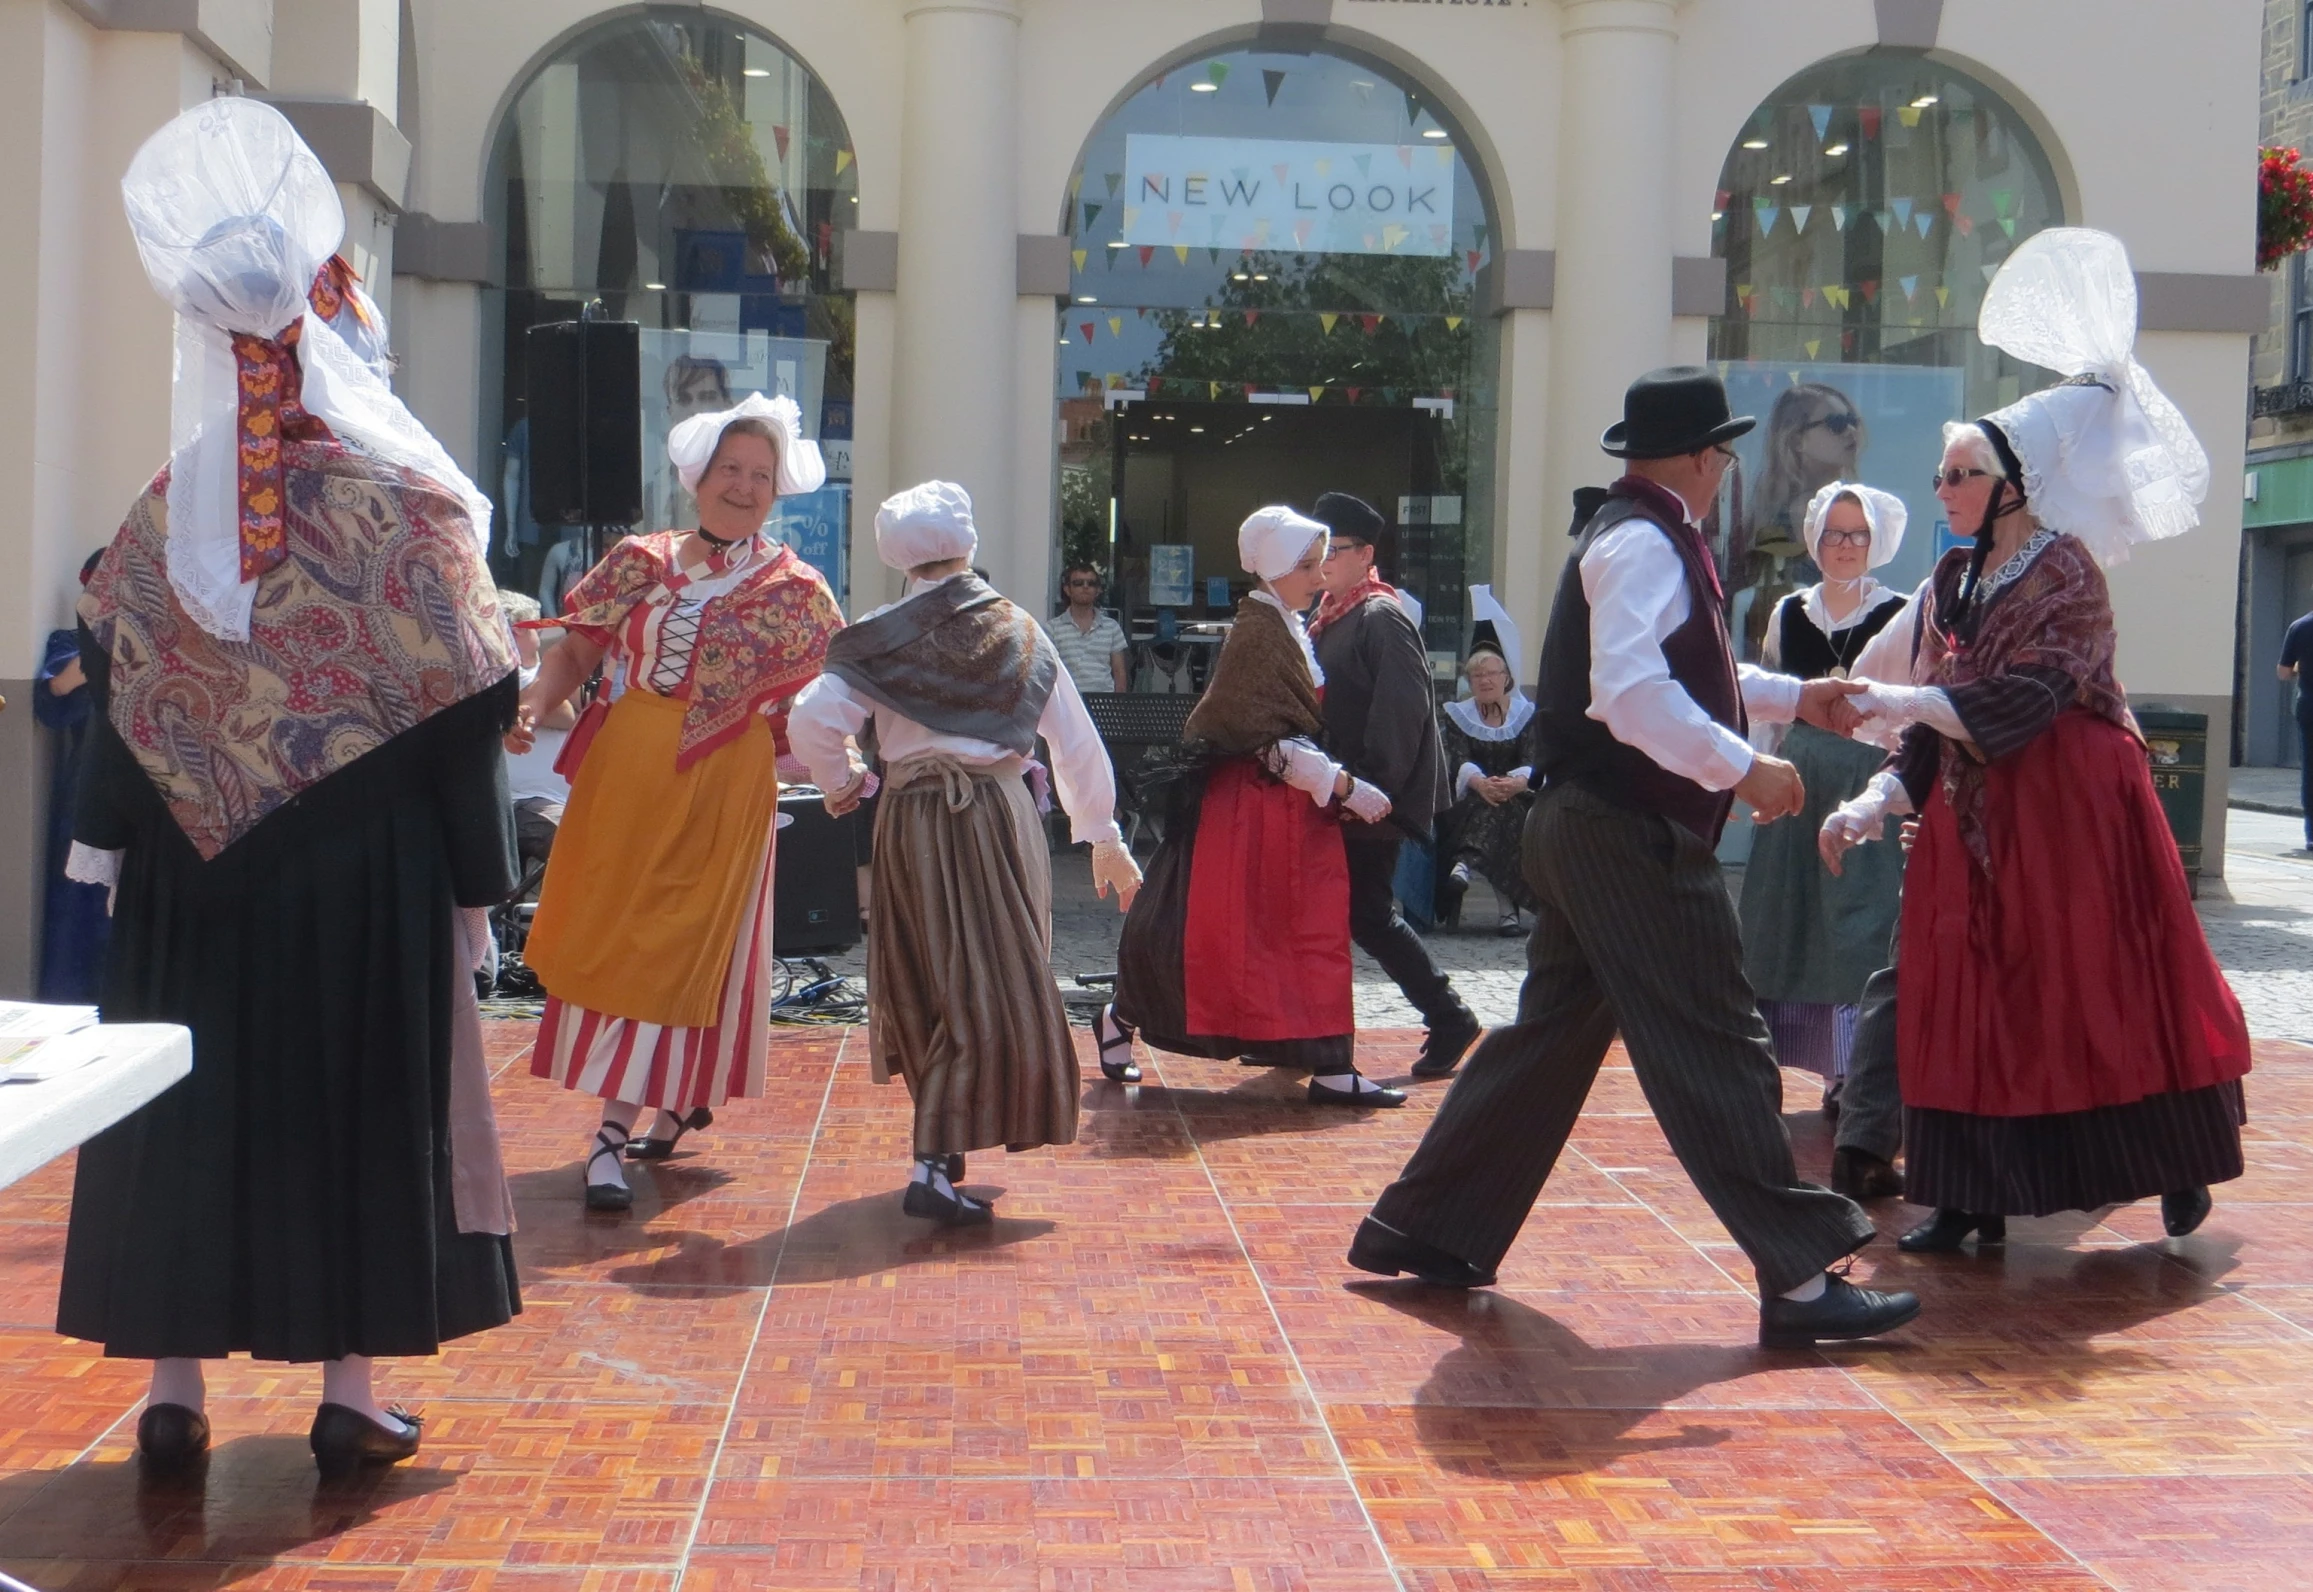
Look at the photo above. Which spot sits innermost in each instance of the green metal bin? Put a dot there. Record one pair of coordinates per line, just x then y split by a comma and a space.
2179, 745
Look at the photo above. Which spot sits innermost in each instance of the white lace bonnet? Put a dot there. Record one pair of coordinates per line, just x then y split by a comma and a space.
233, 217
2106, 456
1883, 512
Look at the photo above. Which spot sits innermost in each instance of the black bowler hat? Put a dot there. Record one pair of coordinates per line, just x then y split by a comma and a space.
1350, 519
1678, 409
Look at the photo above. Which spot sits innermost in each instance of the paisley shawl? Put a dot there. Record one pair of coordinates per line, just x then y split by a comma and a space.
2056, 615
762, 640
1261, 691
958, 659
377, 615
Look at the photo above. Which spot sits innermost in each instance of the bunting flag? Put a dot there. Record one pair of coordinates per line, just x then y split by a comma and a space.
1252, 316
1868, 117
1474, 257
1820, 115
1902, 209
1814, 346
1272, 81
1181, 253
1886, 219
1393, 235
1870, 290
1091, 214
842, 161
1212, 389
1943, 298
1217, 72
1925, 222
1722, 199
2003, 202
1908, 115
1351, 393
1910, 286
1087, 329
1116, 326
1806, 298
1147, 253
1325, 319
779, 137
1799, 215
1766, 214
1115, 180
1080, 256
1966, 225
2008, 225
1075, 183
1839, 218
1316, 393
1453, 323
1951, 204
1371, 323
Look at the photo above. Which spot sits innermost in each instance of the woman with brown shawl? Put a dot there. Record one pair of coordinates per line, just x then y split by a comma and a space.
1239, 943
960, 684
2066, 1040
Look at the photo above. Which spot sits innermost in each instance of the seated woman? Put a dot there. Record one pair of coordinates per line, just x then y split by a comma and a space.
1487, 742
1811, 938
1239, 941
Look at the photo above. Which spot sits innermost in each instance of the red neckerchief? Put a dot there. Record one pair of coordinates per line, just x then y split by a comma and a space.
333, 287
271, 407
1667, 509
1333, 608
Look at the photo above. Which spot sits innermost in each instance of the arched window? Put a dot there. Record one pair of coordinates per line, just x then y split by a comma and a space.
1277, 260
690, 175
1862, 211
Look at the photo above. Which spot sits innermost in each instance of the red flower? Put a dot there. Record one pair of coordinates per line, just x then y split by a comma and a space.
2284, 206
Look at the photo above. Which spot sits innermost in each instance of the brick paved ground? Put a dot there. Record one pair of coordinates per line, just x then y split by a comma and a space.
1154, 1372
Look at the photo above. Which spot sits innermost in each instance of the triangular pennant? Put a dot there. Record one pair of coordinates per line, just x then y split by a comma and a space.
1116, 326
1147, 253
1316, 393
842, 161
1087, 329
1925, 222
1080, 256
1252, 316
1814, 346
1393, 235
1908, 115
1272, 81
1799, 215
1371, 323
1453, 323
1966, 225
1364, 165
1839, 218
779, 137
2003, 201
1910, 286
1767, 214
1902, 211
1886, 219
1868, 117
1806, 298
1722, 199
1820, 115
2008, 225
1351, 393
1474, 257
1181, 253
1115, 180
1212, 389
1870, 290
1325, 319
1951, 204
1943, 297
1217, 72
1091, 214
1991, 269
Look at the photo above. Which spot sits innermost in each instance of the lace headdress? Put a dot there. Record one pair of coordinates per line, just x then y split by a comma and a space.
2106, 456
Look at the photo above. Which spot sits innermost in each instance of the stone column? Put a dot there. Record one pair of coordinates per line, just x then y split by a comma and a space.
953, 359
1612, 307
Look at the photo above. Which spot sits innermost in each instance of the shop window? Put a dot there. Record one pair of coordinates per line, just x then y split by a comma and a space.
1277, 261
1862, 211
2300, 322
690, 175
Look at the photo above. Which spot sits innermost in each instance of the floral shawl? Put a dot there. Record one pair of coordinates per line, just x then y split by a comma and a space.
377, 614
762, 640
2056, 615
1262, 690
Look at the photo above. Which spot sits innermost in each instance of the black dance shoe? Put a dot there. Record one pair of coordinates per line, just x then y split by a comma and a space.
660, 1149
2185, 1210
1386, 1252
1947, 1230
1115, 1042
1448, 1040
344, 1440
1841, 1311
1860, 1175
608, 1196
949, 1210
1362, 1092
171, 1436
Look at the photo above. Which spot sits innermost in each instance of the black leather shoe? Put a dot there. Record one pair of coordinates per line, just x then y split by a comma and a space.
1114, 1043
1860, 1175
949, 1210
1362, 1091
1446, 1043
1386, 1252
170, 1436
660, 1149
2185, 1210
1947, 1230
608, 1196
1841, 1311
344, 1439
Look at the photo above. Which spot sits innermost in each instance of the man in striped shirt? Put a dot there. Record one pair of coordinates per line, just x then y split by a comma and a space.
1091, 644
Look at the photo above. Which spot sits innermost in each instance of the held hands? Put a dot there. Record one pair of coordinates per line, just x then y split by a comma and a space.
1365, 802
1826, 704
1113, 867
1772, 788
524, 734
1850, 824
859, 788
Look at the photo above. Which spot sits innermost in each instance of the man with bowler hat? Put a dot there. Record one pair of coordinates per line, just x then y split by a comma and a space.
1640, 722
1381, 720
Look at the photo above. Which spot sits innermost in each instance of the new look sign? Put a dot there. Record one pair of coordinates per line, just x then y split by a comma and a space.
1258, 193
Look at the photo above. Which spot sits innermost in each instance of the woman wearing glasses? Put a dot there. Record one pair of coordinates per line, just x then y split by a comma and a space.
1811, 938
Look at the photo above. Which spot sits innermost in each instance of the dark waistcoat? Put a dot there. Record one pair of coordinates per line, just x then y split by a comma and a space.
1574, 748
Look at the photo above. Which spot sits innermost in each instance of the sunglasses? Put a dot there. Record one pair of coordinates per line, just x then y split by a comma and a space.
1837, 425
1952, 477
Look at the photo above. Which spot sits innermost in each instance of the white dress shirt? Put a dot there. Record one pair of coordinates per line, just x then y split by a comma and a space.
829, 713
1637, 588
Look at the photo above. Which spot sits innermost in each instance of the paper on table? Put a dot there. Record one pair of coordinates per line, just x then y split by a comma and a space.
25, 1028
59, 1054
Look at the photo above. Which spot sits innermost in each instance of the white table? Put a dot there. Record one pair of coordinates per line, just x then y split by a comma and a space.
134, 1063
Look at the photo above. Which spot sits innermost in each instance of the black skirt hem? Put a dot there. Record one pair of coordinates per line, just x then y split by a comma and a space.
2074, 1160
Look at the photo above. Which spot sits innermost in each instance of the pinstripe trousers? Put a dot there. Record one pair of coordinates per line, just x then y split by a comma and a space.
1634, 931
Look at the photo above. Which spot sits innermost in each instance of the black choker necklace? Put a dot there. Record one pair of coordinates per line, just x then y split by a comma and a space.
712, 540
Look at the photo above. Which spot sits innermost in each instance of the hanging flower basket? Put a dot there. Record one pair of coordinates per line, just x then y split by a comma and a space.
2284, 206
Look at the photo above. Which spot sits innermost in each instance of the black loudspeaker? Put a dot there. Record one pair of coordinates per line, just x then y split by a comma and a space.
584, 392
814, 885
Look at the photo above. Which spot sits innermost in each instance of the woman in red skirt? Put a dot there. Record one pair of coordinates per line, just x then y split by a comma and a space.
2066, 1040
1239, 940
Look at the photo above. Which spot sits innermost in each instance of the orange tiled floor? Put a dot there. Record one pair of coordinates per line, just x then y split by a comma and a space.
1154, 1372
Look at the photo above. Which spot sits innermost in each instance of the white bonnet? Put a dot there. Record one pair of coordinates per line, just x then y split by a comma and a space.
1882, 511
1272, 540
692, 443
926, 524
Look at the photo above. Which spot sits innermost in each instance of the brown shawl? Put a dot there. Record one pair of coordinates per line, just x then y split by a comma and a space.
2056, 615
378, 615
1262, 691
958, 659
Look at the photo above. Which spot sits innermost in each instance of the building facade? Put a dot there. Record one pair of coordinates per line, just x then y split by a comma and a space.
2277, 507
1128, 268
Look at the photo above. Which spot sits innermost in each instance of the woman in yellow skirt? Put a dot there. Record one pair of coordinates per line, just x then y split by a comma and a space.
653, 934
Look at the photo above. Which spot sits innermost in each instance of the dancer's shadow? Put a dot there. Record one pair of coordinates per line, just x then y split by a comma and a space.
554, 1231
1266, 1101
254, 1500
856, 1238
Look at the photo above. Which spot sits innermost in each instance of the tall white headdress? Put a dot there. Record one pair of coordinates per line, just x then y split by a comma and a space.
2106, 456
